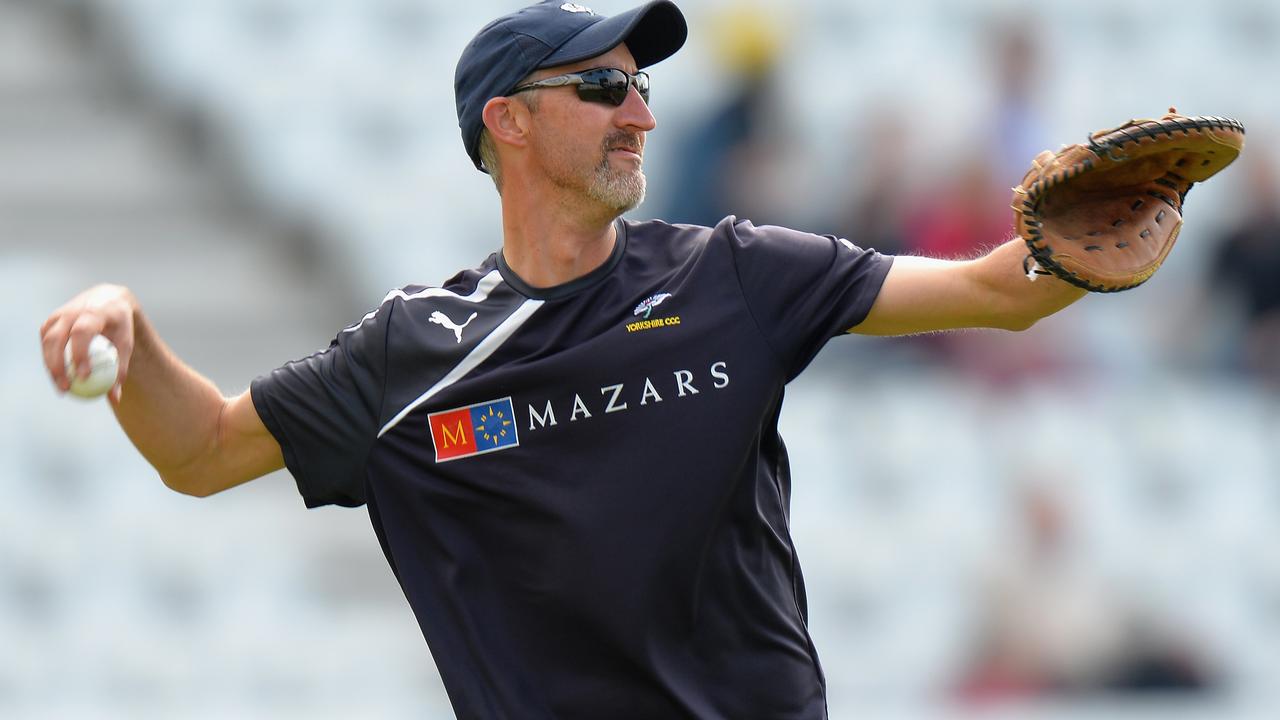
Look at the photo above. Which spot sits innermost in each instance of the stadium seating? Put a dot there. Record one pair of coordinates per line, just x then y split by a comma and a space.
120, 599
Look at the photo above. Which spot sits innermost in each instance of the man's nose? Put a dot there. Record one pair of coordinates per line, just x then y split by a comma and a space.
634, 112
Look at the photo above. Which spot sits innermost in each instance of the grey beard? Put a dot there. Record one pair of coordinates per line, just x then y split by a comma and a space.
620, 190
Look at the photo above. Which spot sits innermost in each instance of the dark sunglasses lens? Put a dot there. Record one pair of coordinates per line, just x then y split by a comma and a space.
609, 85
642, 85
598, 94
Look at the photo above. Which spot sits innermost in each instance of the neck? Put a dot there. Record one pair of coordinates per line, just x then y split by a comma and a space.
550, 241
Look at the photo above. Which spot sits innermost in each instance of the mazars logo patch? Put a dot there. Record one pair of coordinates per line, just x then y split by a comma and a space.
576, 8
473, 430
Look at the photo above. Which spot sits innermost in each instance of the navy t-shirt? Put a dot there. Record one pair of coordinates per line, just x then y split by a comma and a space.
581, 489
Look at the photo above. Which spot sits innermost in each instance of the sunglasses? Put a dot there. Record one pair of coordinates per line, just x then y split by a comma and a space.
600, 85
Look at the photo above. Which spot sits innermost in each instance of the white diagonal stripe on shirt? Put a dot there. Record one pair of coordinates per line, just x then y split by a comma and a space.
487, 346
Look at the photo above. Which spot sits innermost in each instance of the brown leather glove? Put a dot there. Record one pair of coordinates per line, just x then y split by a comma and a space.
1103, 215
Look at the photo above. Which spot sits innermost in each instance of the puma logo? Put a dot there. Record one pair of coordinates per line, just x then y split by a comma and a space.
440, 318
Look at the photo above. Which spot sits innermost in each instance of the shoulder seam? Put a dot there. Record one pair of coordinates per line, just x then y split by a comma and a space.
746, 302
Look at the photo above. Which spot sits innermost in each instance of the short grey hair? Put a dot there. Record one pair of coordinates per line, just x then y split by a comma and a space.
489, 158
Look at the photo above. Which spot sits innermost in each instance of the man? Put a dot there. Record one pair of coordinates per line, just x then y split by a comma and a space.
570, 453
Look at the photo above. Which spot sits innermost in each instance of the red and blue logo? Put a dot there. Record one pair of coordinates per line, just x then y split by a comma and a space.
474, 430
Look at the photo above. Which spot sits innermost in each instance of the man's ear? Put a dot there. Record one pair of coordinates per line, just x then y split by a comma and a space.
507, 121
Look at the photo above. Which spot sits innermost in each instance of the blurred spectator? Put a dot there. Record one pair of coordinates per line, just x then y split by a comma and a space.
725, 163
1053, 626
965, 214
1019, 130
1246, 269
873, 216
966, 211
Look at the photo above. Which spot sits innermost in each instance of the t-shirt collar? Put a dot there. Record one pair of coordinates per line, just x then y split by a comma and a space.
563, 290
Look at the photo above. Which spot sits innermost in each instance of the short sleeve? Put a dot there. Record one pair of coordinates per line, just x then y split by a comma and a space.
803, 289
324, 409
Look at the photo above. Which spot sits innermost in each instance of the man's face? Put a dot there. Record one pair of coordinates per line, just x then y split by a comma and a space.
593, 148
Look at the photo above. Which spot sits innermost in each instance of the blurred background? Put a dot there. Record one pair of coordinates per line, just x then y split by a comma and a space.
1077, 521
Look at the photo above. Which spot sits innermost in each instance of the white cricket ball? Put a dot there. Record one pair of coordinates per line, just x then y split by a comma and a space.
104, 363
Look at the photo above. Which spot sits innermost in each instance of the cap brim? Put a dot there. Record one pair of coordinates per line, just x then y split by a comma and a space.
653, 32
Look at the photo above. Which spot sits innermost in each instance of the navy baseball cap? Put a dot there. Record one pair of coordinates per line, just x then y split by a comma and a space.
548, 34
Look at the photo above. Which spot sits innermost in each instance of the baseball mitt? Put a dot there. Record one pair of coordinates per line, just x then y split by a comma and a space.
1104, 214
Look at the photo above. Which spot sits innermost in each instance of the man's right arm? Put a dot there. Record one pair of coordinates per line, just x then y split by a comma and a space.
198, 440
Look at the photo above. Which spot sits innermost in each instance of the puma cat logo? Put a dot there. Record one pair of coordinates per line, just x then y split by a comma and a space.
440, 318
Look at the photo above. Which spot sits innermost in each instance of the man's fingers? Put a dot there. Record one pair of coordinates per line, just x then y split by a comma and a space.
122, 373
121, 335
52, 341
49, 322
82, 331
101, 310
